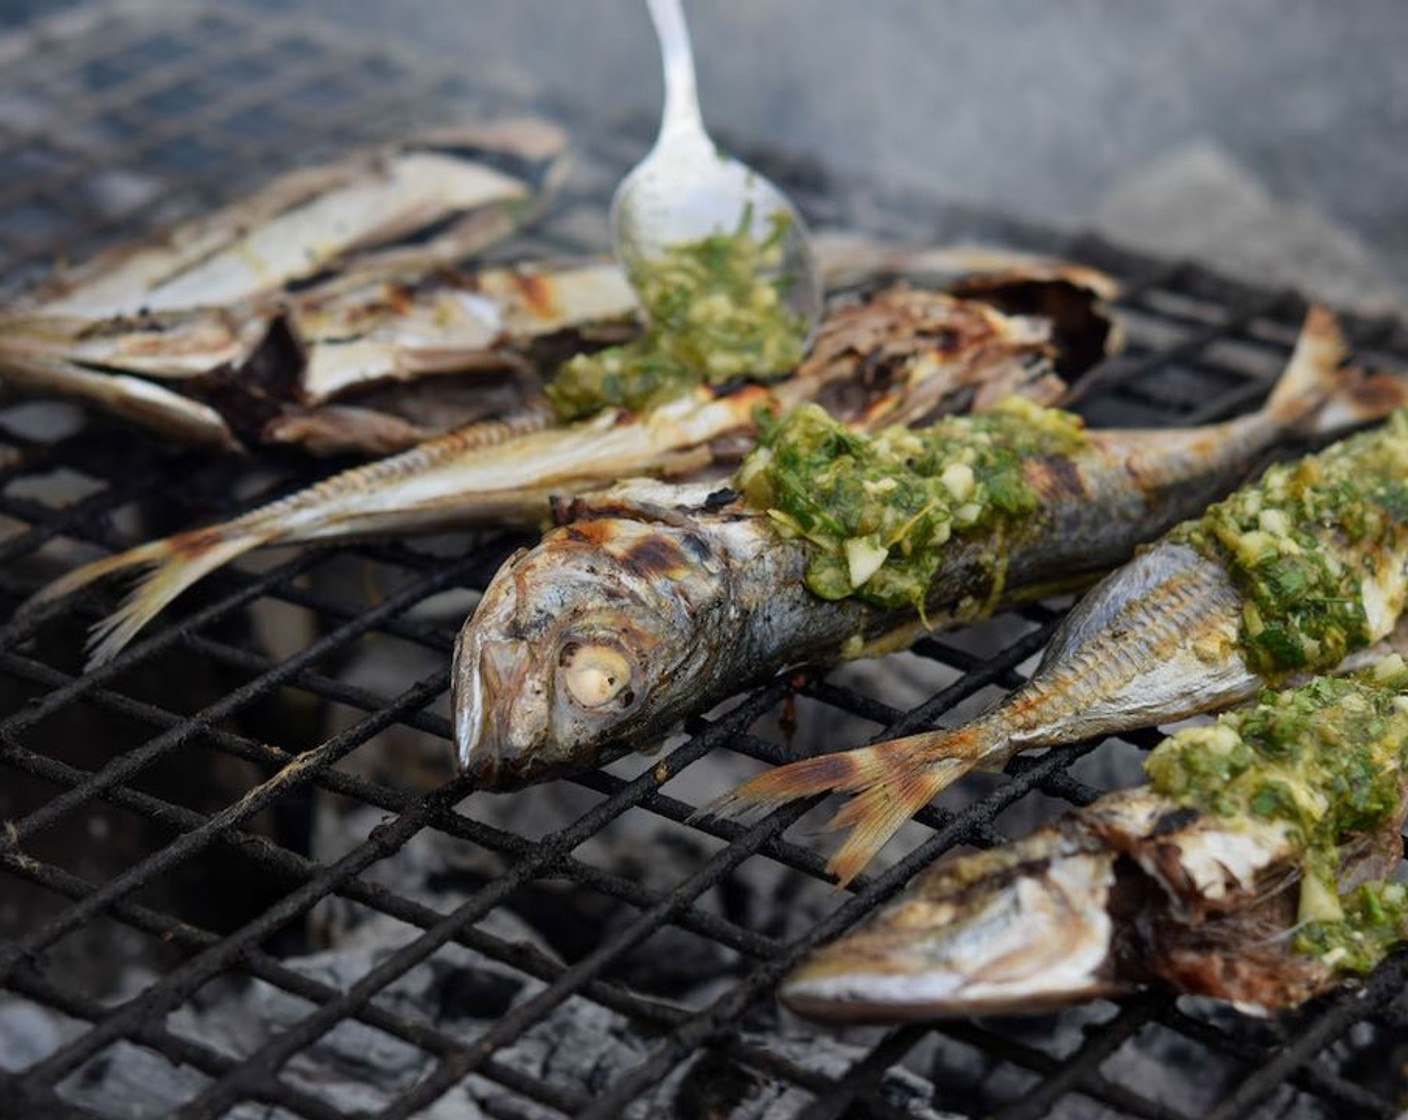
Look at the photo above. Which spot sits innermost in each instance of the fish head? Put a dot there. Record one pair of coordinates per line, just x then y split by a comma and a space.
1015, 931
575, 645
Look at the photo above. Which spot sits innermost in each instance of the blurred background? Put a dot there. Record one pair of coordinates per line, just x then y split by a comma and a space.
1264, 137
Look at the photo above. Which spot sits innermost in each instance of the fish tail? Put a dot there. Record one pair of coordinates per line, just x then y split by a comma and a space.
1322, 396
177, 562
891, 782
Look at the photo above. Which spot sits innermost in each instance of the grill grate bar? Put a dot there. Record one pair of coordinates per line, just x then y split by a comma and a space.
1078, 1069
203, 1058
241, 151
1193, 309
508, 1027
289, 865
862, 1077
1345, 1008
449, 822
512, 1025
1036, 1061
182, 981
266, 968
731, 1005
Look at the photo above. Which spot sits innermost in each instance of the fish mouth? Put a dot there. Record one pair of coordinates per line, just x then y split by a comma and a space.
1032, 944
500, 717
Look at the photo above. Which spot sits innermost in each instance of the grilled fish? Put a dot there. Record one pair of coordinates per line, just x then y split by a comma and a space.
1290, 574
1255, 869
651, 603
904, 353
246, 320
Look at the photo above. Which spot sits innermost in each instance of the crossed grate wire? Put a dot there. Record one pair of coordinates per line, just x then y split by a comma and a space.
117, 116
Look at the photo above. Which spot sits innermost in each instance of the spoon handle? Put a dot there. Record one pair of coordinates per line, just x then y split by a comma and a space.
681, 115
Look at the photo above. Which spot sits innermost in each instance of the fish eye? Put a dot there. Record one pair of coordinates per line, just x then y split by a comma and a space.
595, 674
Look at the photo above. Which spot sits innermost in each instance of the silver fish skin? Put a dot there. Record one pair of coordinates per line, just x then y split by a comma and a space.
1050, 920
646, 608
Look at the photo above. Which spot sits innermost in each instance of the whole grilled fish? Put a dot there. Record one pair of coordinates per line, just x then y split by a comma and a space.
904, 354
1255, 870
652, 603
1289, 575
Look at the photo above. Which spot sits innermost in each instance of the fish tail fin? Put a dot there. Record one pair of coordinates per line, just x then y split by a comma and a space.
892, 781
1322, 396
1312, 375
176, 563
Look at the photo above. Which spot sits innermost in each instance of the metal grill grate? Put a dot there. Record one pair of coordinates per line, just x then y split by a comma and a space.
161, 857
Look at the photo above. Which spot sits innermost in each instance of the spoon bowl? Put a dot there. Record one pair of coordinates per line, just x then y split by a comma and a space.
686, 188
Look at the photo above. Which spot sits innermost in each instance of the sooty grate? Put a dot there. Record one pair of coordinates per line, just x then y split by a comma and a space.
237, 876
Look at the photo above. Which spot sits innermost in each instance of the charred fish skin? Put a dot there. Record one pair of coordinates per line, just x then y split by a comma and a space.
1094, 506
1207, 881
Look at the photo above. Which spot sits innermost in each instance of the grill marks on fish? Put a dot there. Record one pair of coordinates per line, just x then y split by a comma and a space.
1054, 479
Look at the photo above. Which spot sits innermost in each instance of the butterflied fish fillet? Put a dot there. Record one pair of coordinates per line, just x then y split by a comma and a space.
201, 333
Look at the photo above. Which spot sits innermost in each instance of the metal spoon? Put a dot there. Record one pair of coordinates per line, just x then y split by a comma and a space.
686, 188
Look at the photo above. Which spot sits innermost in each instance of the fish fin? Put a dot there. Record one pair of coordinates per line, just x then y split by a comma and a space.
892, 781
877, 812
1361, 398
1320, 394
1311, 376
176, 562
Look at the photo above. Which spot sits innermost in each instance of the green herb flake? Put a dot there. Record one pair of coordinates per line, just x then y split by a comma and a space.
1327, 761
1318, 548
715, 312
877, 508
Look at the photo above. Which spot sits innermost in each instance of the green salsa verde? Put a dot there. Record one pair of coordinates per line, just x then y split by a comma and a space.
714, 312
1318, 548
1327, 762
878, 507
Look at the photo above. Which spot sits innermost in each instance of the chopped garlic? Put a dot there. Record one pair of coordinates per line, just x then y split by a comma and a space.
864, 557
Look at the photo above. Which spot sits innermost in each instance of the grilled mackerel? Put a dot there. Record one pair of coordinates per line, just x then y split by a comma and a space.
904, 354
653, 602
1255, 868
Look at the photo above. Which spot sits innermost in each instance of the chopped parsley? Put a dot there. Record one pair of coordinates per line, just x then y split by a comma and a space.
1318, 548
1327, 762
879, 507
714, 312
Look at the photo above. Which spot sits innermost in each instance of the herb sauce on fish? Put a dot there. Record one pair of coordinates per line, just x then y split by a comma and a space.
1288, 575
1253, 868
